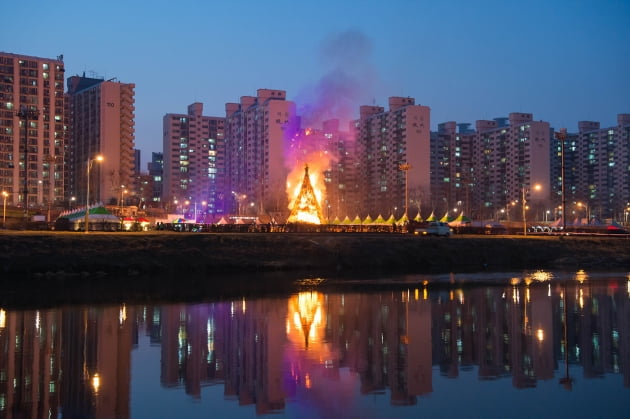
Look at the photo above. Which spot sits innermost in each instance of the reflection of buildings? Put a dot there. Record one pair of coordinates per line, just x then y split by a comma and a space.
96, 364
30, 353
314, 346
75, 362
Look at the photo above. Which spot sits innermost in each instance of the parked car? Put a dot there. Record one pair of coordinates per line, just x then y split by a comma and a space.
433, 228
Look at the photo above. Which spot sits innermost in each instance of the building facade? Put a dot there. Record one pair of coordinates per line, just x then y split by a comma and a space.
193, 162
255, 136
155, 168
393, 158
493, 171
597, 170
33, 130
101, 123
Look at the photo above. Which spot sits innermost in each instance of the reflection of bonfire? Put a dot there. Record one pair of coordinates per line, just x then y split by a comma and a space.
305, 206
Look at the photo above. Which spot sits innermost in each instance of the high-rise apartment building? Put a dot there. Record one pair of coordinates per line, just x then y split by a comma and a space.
342, 188
489, 171
255, 134
33, 130
597, 170
193, 161
393, 157
101, 123
451, 166
156, 170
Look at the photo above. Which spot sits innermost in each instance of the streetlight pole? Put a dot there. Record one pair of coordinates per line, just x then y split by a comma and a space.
5, 195
122, 201
524, 213
537, 187
405, 168
98, 158
587, 213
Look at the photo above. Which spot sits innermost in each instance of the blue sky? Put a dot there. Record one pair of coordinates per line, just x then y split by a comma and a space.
563, 61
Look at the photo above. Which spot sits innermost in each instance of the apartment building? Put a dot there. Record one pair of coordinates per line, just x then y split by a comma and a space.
597, 170
490, 171
156, 171
101, 123
33, 130
193, 161
255, 136
393, 157
451, 168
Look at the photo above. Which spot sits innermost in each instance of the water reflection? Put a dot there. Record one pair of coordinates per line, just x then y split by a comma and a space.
318, 349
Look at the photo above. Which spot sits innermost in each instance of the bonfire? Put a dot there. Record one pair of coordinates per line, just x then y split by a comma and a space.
305, 208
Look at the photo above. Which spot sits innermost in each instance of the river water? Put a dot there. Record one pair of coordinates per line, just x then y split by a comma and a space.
519, 345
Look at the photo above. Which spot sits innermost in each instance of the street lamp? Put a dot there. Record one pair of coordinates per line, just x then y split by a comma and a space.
537, 187
122, 200
98, 158
5, 195
586, 211
405, 168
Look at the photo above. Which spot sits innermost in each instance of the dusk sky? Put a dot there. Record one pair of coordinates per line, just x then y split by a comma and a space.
562, 60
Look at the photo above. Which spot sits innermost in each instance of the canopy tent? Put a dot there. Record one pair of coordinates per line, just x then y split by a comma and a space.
179, 220
391, 220
336, 221
403, 220
379, 220
222, 221
446, 218
357, 221
368, 220
460, 221
97, 215
432, 217
418, 217
346, 221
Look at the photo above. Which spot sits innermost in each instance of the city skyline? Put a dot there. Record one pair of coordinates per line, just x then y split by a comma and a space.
564, 62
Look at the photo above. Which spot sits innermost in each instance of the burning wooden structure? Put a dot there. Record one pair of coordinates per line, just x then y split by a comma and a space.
305, 207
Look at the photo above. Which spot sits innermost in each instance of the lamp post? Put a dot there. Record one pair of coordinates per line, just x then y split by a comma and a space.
405, 168
98, 158
5, 195
525, 190
586, 211
122, 202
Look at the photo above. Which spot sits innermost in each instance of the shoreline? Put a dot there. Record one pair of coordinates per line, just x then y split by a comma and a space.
31, 254
51, 268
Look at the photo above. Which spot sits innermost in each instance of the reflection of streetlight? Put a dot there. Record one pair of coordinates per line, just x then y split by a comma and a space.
72, 199
5, 194
96, 382
98, 158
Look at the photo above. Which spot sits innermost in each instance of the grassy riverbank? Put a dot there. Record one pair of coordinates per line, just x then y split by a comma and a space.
54, 253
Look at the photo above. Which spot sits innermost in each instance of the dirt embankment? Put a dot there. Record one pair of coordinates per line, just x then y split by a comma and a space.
36, 254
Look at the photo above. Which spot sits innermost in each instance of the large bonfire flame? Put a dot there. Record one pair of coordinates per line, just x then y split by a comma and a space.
305, 208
